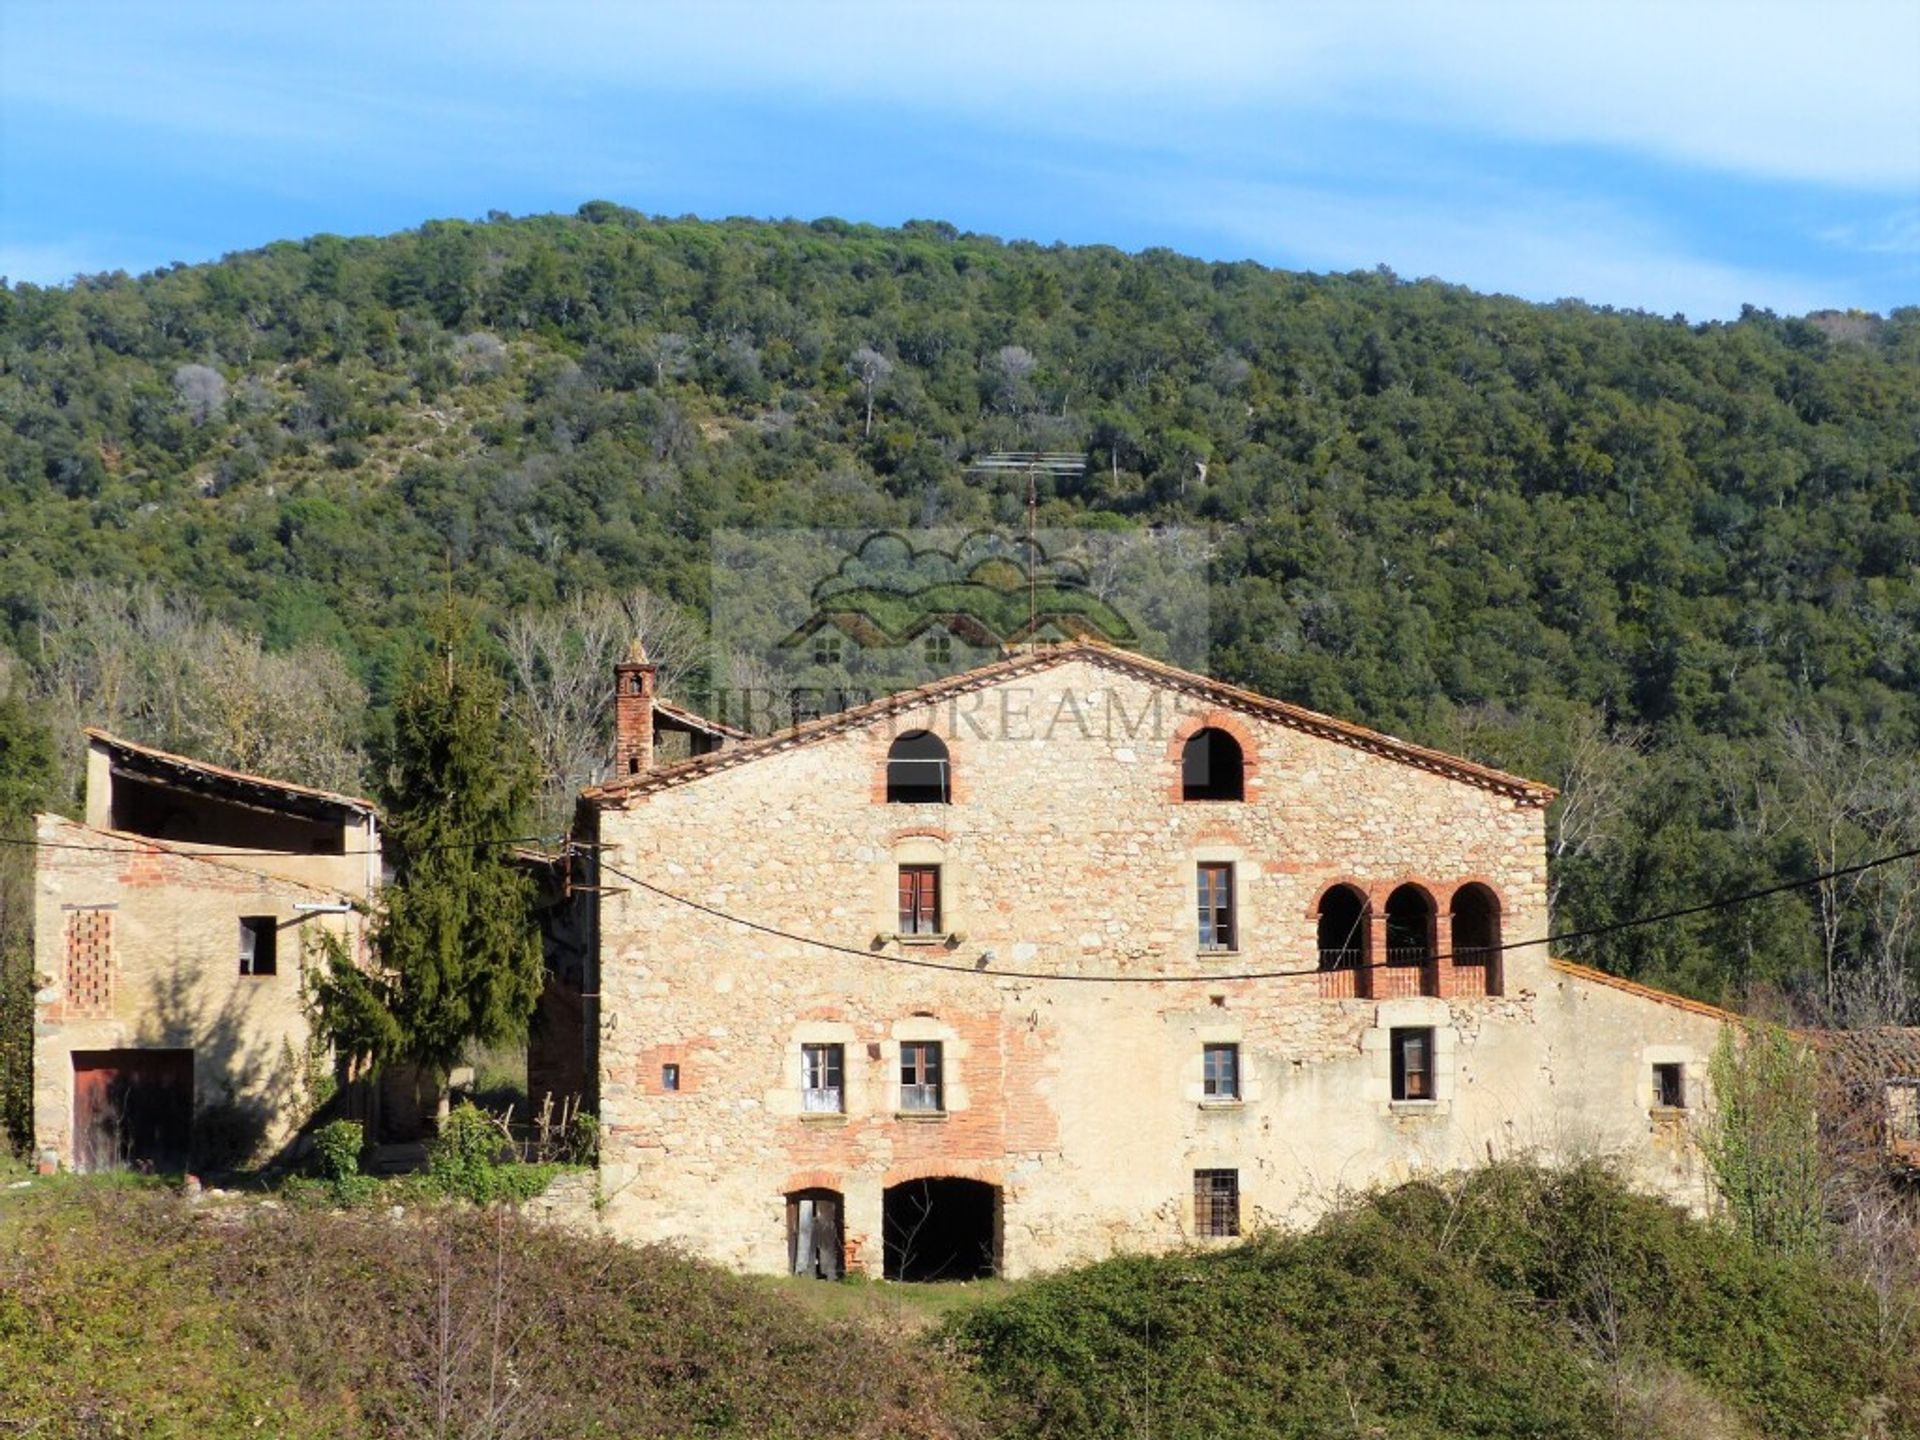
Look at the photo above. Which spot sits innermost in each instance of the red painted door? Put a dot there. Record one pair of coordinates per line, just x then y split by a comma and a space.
132, 1109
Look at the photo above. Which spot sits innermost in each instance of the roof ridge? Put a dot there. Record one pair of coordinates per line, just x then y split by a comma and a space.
1046, 657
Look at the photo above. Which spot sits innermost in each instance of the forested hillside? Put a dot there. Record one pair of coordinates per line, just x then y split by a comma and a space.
1670, 567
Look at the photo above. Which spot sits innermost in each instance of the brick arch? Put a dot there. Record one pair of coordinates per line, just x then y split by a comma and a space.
921, 832
1224, 720
1350, 882
949, 1169
1474, 977
814, 1180
880, 744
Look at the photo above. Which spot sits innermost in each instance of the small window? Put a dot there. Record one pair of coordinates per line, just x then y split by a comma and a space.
939, 649
1670, 1087
917, 770
1212, 767
1216, 1203
669, 1077
920, 900
826, 648
1216, 906
820, 1071
259, 935
1412, 1064
920, 1084
1222, 1072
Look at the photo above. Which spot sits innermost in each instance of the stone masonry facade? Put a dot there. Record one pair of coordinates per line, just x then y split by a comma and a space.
1065, 984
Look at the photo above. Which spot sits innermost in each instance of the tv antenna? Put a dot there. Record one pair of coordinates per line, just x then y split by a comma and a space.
1061, 464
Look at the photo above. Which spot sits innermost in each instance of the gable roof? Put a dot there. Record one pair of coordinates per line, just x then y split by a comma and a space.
1592, 976
617, 792
143, 762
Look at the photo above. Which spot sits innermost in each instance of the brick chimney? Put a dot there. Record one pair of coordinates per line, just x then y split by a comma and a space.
633, 681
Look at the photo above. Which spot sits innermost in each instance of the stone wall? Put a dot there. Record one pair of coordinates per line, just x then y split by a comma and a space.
1069, 852
137, 947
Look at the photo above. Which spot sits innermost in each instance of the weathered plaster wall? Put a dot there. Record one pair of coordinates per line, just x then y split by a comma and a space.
164, 972
1068, 851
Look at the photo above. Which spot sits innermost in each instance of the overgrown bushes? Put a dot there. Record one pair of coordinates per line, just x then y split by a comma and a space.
1512, 1303
129, 1312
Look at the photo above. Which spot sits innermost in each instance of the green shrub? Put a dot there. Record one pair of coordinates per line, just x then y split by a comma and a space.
336, 1149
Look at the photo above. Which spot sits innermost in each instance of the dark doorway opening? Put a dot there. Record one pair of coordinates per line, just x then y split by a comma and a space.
940, 1229
813, 1234
132, 1109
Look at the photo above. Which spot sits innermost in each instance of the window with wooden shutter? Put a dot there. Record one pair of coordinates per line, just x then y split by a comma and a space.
1215, 883
1412, 1064
920, 900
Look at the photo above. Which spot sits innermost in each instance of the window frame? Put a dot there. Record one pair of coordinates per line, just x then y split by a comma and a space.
1211, 1219
926, 1093
1400, 1040
1217, 919
829, 1098
254, 929
919, 890
1220, 1083
1669, 1085
901, 788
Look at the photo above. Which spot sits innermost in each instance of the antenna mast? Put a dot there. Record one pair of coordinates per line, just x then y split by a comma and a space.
1033, 463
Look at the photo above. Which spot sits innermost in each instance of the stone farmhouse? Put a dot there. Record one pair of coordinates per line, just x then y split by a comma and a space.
171, 928
1076, 953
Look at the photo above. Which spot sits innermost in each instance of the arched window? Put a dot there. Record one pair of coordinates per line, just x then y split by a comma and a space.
1343, 929
1476, 931
917, 770
1409, 926
1212, 767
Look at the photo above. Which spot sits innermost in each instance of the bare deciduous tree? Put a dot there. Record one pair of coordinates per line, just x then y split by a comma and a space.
560, 669
200, 390
872, 370
1602, 768
161, 672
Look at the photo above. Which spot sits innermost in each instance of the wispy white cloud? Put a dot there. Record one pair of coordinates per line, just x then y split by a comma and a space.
1539, 250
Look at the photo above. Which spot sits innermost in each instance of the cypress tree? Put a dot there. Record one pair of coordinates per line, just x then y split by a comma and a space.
456, 951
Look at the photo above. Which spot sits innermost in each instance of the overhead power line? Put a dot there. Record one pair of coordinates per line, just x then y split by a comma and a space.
992, 972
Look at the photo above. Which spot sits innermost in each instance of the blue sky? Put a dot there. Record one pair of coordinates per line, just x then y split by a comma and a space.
1686, 155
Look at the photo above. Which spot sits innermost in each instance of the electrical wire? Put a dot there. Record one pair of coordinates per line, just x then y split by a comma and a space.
987, 972
172, 847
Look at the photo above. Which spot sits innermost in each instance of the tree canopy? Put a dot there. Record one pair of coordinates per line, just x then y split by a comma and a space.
1636, 556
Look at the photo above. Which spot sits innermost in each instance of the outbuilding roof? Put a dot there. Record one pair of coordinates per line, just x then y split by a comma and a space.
143, 762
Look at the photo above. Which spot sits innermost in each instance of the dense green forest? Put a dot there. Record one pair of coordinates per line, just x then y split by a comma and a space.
1670, 567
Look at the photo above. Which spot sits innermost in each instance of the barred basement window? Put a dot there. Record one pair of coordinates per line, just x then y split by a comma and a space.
258, 937
1669, 1087
1221, 1072
821, 1067
1216, 1203
1215, 884
920, 1086
1412, 1064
